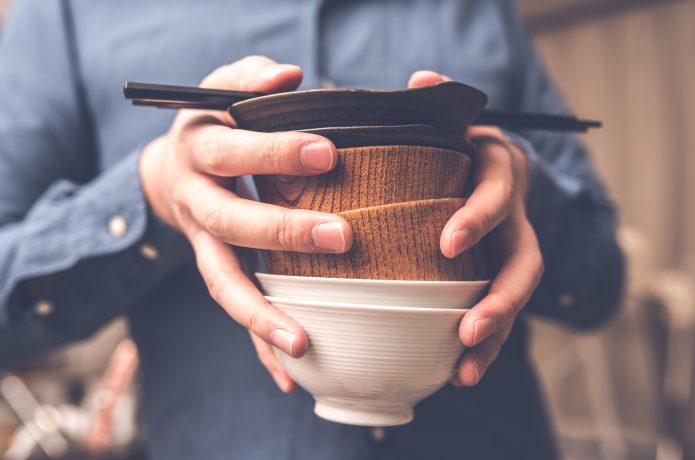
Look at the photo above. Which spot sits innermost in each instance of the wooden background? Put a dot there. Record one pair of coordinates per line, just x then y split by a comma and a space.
631, 64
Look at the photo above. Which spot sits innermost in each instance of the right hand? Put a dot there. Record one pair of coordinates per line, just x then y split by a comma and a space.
188, 174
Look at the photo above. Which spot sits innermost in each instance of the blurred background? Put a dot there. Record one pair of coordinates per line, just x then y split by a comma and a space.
624, 392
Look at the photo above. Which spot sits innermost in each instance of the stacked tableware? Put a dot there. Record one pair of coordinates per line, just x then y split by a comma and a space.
383, 318
377, 346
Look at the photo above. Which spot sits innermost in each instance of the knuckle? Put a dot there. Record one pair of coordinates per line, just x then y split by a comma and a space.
214, 286
178, 197
255, 59
271, 153
214, 153
254, 321
510, 313
507, 308
281, 231
481, 221
218, 222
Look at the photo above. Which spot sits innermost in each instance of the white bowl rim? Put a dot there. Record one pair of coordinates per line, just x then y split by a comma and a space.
365, 307
270, 276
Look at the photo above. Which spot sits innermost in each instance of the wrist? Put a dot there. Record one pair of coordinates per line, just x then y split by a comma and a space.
153, 182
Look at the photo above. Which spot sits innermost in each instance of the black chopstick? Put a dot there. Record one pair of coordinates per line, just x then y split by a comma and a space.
153, 94
188, 97
533, 121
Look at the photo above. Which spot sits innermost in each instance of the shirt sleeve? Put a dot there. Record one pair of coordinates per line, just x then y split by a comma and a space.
77, 248
567, 205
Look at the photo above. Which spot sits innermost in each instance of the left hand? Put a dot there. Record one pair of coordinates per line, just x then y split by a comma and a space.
498, 202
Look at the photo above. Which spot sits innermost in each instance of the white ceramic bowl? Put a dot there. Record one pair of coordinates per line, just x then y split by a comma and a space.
420, 294
369, 364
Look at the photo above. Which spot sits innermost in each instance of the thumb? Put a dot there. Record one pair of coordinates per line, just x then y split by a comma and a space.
426, 78
255, 73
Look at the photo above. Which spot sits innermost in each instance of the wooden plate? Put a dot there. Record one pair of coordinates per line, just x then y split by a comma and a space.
450, 106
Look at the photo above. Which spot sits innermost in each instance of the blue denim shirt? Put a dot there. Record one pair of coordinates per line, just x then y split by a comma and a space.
73, 220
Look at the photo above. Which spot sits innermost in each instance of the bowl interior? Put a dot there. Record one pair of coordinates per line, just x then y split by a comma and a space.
389, 293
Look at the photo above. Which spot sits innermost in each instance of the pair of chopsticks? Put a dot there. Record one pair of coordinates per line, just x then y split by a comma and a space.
188, 97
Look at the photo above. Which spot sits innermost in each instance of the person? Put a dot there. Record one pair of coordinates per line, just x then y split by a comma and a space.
109, 210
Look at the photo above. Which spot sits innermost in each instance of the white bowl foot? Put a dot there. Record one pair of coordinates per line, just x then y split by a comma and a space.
359, 415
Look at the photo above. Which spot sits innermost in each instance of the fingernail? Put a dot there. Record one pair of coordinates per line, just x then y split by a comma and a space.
283, 339
482, 329
329, 236
317, 156
477, 373
458, 241
273, 70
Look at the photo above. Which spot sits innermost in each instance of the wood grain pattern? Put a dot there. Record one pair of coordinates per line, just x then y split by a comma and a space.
450, 106
395, 242
372, 176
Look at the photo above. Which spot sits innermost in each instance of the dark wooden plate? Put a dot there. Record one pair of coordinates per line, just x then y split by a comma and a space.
449, 106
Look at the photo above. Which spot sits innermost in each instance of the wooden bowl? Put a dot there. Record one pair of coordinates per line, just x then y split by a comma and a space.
391, 242
372, 176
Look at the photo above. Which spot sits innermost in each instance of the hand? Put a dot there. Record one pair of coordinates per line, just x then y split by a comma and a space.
496, 207
188, 174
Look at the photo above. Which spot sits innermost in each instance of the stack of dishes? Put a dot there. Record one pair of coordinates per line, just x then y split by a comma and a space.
377, 347
383, 318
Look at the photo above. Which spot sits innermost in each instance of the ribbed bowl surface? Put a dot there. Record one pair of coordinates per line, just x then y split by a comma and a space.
368, 365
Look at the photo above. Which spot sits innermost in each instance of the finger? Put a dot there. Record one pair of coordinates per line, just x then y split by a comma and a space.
255, 73
267, 357
426, 78
488, 205
512, 287
226, 152
476, 361
483, 131
232, 289
257, 225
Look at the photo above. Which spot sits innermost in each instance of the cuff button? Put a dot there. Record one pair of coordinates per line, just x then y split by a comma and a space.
149, 252
117, 226
566, 300
378, 434
43, 308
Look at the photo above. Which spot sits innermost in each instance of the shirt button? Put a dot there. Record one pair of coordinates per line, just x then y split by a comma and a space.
43, 308
327, 84
378, 434
566, 300
149, 252
117, 226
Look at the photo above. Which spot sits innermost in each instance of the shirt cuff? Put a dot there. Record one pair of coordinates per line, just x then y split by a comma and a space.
104, 231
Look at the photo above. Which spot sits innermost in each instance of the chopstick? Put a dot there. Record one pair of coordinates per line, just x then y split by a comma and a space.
535, 121
169, 96
188, 97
